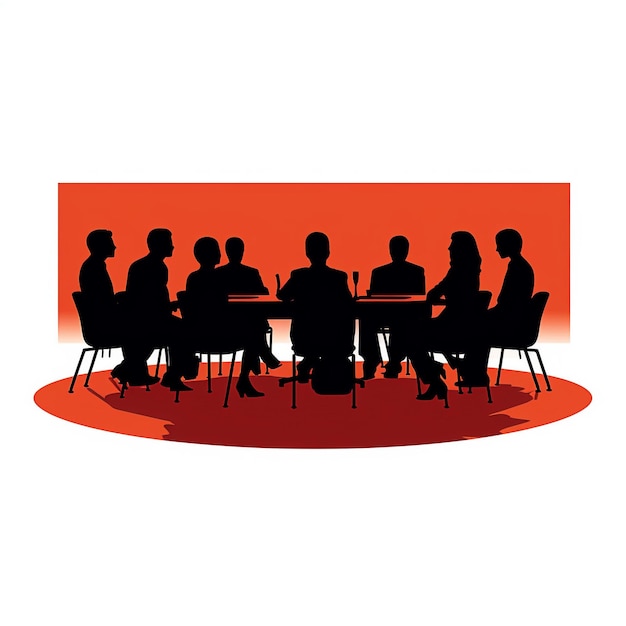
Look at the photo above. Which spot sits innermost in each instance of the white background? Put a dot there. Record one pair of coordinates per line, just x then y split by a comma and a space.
99, 528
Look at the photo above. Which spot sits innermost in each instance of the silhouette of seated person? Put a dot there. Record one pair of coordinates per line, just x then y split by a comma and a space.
512, 306
211, 325
323, 317
398, 277
150, 310
240, 278
104, 313
455, 328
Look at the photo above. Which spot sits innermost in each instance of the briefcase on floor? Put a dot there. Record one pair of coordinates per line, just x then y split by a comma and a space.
332, 376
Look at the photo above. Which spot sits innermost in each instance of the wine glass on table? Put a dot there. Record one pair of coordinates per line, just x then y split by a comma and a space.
355, 280
277, 283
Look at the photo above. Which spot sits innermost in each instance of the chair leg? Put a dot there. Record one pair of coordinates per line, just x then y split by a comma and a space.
353, 382
230, 379
489, 400
408, 366
543, 369
294, 383
219, 369
156, 373
532, 371
270, 331
82, 354
95, 354
208, 375
500, 366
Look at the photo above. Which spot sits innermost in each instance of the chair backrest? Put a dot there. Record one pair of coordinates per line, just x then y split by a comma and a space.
484, 299
533, 320
87, 324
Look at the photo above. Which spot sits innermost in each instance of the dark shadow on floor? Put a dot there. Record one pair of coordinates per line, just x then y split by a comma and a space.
388, 414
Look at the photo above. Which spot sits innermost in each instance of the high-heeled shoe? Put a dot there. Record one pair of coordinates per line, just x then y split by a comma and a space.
437, 389
270, 360
244, 388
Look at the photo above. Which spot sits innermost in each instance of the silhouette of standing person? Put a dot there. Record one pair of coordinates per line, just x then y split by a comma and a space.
104, 311
211, 324
458, 321
511, 308
150, 310
398, 277
240, 278
323, 317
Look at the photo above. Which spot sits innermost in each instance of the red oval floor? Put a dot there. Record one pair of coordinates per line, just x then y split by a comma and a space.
388, 413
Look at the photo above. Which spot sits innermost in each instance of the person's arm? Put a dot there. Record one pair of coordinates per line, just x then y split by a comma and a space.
421, 281
260, 288
287, 292
439, 290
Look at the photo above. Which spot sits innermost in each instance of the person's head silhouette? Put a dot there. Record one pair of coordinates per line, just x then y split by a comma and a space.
398, 248
317, 247
160, 243
508, 243
463, 250
234, 250
100, 243
207, 252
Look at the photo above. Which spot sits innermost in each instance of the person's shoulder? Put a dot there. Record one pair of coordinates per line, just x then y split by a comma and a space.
382, 269
140, 263
414, 266
338, 274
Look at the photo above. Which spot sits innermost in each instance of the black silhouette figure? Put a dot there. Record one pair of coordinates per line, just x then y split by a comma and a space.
511, 311
106, 316
210, 323
398, 277
457, 324
150, 311
323, 317
244, 280
239, 278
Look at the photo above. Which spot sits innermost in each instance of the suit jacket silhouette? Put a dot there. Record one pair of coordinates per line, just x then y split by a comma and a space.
323, 316
398, 277
95, 283
146, 289
207, 298
242, 279
517, 287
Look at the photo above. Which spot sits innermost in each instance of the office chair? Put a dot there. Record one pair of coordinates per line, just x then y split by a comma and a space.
484, 298
269, 332
293, 380
95, 343
525, 336
217, 347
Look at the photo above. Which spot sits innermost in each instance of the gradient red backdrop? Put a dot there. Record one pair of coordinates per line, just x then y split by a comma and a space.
274, 218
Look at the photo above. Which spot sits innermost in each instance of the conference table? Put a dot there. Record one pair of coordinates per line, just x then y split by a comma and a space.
379, 307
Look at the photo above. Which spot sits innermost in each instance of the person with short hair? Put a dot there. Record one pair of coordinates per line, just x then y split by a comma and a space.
106, 314
211, 324
398, 277
323, 318
150, 310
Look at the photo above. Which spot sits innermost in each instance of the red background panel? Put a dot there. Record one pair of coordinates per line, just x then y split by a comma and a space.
274, 218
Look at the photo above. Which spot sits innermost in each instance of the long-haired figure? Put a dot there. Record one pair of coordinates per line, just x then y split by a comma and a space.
459, 321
